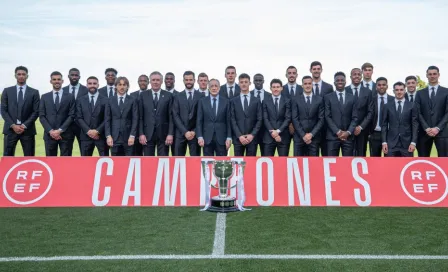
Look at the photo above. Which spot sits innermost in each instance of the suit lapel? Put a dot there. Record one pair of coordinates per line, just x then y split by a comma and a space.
26, 96
161, 98
98, 101
339, 103
208, 104
114, 100
14, 96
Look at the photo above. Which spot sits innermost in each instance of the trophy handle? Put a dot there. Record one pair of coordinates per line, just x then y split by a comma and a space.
211, 176
234, 172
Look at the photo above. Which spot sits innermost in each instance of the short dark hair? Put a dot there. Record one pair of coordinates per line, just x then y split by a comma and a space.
356, 68
366, 65
381, 78
244, 75
170, 74
315, 63
55, 73
258, 75
21, 68
399, 83
291, 67
339, 74
144, 76
306, 77
73, 70
111, 70
189, 73
203, 75
432, 67
92, 77
276, 80
410, 78
230, 67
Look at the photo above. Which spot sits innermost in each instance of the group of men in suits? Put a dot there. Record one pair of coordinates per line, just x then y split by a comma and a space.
318, 118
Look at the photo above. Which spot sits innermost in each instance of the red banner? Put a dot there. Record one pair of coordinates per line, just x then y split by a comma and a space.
268, 181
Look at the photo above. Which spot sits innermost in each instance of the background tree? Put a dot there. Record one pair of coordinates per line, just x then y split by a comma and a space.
421, 84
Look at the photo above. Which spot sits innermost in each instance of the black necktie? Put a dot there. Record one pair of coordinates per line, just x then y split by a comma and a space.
190, 99
121, 103
356, 93
433, 94
246, 103
317, 91
259, 94
56, 101
231, 92
92, 103
156, 100
111, 91
341, 99
399, 108
380, 113
73, 91
368, 86
276, 104
412, 98
308, 101
292, 91
20, 104
214, 106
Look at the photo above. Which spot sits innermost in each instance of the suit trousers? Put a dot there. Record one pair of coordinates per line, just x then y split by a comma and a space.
376, 144
425, 144
360, 144
180, 147
51, 147
334, 146
10, 141
150, 148
87, 147
303, 149
282, 149
215, 149
399, 151
249, 150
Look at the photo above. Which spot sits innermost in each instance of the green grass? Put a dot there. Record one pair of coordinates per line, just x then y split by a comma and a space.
40, 148
264, 230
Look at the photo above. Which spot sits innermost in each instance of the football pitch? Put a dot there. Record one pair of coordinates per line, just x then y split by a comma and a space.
186, 239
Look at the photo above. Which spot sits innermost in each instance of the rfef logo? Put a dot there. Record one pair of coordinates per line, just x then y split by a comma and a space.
27, 182
424, 182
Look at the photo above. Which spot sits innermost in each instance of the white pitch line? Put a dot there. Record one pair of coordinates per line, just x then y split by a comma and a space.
238, 256
219, 244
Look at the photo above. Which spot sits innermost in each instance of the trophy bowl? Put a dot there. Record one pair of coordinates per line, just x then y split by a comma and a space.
223, 202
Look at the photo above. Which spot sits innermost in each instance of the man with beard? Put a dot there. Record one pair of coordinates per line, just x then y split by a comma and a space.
184, 117
56, 113
246, 118
411, 88
367, 72
90, 117
363, 98
78, 91
109, 89
203, 84
156, 122
230, 89
261, 94
20, 109
341, 118
121, 120
143, 82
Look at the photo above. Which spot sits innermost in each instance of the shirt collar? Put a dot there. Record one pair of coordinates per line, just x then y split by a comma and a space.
319, 82
76, 86
396, 100
233, 85
435, 87
192, 90
306, 95
23, 87
338, 92
292, 85
124, 96
274, 97
94, 95
353, 86
54, 92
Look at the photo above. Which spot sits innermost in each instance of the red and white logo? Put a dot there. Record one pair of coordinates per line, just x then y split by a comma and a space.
27, 182
424, 182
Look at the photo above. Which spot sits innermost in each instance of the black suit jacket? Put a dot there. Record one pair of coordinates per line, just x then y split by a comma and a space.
298, 91
159, 120
402, 128
406, 95
364, 106
266, 96
307, 119
207, 124
30, 109
51, 118
81, 92
104, 91
87, 119
390, 99
373, 86
326, 88
124, 122
223, 91
245, 121
280, 121
185, 117
433, 114
340, 117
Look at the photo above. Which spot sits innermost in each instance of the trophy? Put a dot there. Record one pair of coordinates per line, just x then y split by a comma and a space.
223, 171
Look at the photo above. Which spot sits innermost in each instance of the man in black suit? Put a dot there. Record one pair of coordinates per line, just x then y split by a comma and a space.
380, 98
56, 113
321, 88
109, 90
170, 79
20, 109
400, 126
341, 117
230, 89
203, 84
143, 82
432, 106
276, 118
246, 118
78, 91
121, 120
156, 119
185, 107
411, 88
364, 107
213, 122
90, 111
260, 93
367, 72
308, 119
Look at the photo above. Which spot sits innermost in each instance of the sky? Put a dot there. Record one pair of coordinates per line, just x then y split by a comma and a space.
399, 38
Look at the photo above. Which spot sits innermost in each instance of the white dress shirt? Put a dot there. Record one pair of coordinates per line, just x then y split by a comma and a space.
70, 89
430, 90
171, 91
118, 98
292, 86
95, 97
233, 89
364, 83
60, 96
273, 100
154, 94
409, 95
188, 93
318, 84
343, 95
310, 96
353, 88
242, 99
261, 94
378, 127
108, 90
205, 92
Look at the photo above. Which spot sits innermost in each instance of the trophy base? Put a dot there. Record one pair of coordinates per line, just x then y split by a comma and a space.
223, 205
